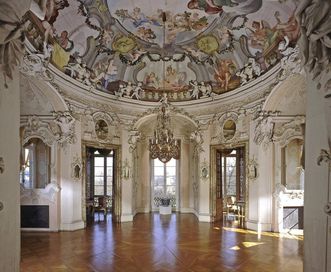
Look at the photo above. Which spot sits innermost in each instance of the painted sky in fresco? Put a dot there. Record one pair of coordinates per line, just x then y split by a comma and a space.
144, 19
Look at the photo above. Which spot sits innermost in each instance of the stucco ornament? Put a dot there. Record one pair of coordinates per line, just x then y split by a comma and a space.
252, 169
324, 156
290, 62
314, 17
2, 165
35, 64
67, 125
264, 131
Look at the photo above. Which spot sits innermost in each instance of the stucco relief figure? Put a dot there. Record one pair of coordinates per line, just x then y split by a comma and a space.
264, 131
101, 129
314, 41
290, 60
65, 122
217, 6
137, 91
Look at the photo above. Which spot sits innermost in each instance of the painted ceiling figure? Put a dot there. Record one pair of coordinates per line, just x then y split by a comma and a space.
209, 6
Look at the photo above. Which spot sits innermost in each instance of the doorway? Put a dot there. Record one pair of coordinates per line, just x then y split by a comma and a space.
230, 186
100, 183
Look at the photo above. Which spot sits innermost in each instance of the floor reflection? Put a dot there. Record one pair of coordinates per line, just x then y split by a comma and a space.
176, 242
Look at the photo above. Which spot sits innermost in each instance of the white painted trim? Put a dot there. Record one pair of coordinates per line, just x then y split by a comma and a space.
187, 210
39, 229
72, 226
127, 217
204, 217
143, 210
257, 226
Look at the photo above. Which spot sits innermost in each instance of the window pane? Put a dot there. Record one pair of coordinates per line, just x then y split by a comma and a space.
109, 171
158, 190
171, 180
98, 171
158, 171
109, 161
98, 190
109, 181
171, 190
109, 190
157, 162
98, 181
159, 180
172, 162
98, 161
171, 171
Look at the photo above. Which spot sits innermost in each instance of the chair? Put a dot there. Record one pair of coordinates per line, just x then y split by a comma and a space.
100, 206
231, 205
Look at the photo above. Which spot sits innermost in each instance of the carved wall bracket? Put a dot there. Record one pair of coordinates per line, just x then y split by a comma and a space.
2, 165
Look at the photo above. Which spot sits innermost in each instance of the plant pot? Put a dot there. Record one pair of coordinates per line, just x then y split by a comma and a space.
165, 209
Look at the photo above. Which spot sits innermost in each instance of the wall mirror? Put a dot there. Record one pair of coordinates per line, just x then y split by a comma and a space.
35, 164
292, 165
229, 129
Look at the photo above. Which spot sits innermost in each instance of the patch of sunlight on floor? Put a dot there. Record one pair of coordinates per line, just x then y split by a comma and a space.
251, 244
270, 234
235, 248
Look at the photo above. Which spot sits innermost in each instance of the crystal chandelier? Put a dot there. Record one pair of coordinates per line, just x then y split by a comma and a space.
163, 146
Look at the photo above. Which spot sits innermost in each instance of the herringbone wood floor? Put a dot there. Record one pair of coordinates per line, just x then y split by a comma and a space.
160, 243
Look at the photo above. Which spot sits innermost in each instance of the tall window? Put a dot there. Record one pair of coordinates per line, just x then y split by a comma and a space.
229, 163
164, 181
103, 174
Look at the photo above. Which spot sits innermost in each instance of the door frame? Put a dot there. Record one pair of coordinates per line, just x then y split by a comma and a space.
117, 187
213, 151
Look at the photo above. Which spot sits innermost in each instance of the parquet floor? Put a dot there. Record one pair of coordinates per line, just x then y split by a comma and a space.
160, 243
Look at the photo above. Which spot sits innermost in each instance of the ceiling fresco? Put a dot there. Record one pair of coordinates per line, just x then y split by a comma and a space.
189, 49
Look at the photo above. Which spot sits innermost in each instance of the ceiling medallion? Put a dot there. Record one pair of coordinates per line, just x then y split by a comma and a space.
163, 146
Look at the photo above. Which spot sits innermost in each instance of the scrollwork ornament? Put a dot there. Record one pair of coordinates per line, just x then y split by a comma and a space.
204, 171
2, 165
324, 156
252, 169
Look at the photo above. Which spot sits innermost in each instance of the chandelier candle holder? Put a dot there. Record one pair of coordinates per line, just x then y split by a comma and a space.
163, 146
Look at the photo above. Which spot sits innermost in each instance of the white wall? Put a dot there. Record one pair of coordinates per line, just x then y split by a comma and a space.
316, 183
9, 179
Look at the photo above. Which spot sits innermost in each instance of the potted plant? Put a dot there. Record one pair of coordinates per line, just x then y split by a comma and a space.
165, 206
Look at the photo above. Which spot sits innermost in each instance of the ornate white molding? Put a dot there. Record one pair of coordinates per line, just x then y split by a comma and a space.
134, 137
35, 195
204, 170
35, 64
252, 169
264, 130
196, 137
36, 127
290, 62
288, 131
66, 122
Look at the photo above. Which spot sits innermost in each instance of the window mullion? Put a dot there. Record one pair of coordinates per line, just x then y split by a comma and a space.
105, 175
